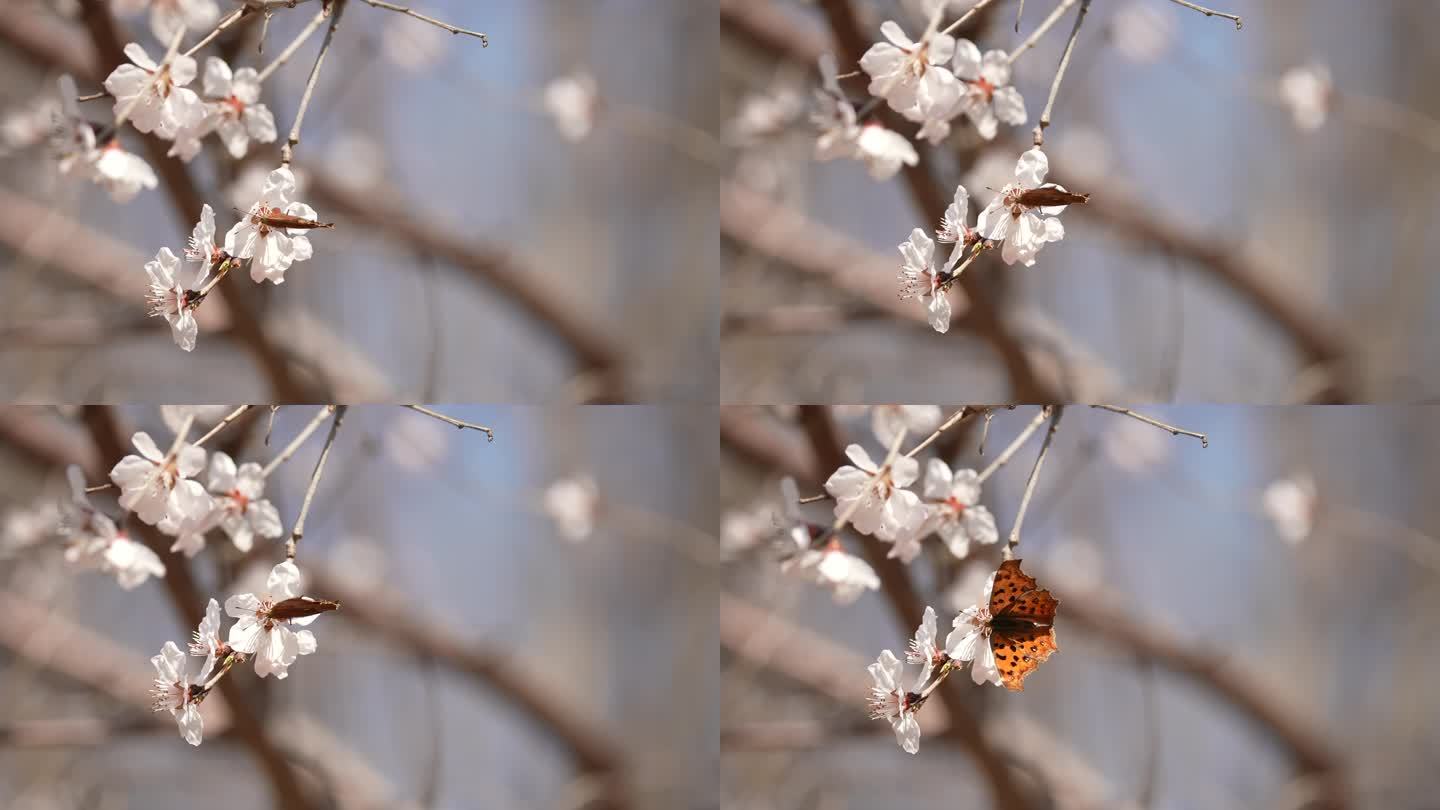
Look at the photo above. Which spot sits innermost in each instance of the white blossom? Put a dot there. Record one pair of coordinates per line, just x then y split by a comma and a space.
573, 102
157, 486
764, 115
271, 250
161, 102
911, 76
920, 279
841, 136
169, 296
969, 638
272, 641
572, 503
243, 514
988, 98
1022, 229
234, 108
846, 575
744, 529
889, 700
73, 141
924, 649
99, 544
1308, 92
885, 508
206, 642
955, 510
173, 691
1291, 503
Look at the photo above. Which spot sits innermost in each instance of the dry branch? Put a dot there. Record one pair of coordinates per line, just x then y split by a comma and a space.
189, 603
771, 446
186, 200
1315, 335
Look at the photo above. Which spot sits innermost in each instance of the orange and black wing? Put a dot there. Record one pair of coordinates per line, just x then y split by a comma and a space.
1019, 651
1015, 595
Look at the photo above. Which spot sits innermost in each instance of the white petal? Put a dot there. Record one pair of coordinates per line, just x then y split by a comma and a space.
860, 458
145, 444
1032, 167
245, 635
966, 62
192, 726
284, 580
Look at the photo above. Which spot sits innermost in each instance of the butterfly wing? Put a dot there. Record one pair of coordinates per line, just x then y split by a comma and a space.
1015, 595
1019, 651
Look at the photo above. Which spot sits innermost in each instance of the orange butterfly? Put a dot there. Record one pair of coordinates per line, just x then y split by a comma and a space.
1018, 622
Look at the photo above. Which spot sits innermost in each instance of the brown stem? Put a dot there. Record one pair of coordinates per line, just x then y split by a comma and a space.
189, 603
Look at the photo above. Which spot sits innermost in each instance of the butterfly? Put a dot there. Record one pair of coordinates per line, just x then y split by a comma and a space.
1017, 625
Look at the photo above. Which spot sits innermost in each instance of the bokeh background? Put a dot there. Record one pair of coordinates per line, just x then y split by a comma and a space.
614, 231
1199, 176
418, 522
1172, 576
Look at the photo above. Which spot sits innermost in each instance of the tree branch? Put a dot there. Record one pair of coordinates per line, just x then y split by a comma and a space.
189, 603
909, 609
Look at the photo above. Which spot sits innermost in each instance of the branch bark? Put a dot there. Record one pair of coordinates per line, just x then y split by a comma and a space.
186, 200
909, 608
189, 603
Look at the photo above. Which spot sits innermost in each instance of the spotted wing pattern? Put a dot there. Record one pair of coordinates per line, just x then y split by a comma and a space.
1019, 651
1015, 595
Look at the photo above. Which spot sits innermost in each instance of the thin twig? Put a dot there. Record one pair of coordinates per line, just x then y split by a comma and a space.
1171, 429
297, 441
450, 420
1005, 455
1042, 30
955, 419
1060, 74
337, 9
484, 40
224, 23
1209, 12
1054, 412
224, 423
299, 530
975, 9
985, 431
310, 28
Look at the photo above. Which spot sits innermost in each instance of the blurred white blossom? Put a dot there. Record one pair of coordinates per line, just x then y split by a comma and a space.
573, 102
1291, 503
572, 503
1307, 91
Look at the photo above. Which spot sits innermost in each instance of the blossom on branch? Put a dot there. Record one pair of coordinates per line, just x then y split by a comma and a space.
173, 693
890, 700
155, 95
955, 510
920, 279
266, 620
911, 76
988, 98
263, 235
157, 486
242, 513
882, 506
169, 295
1020, 225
